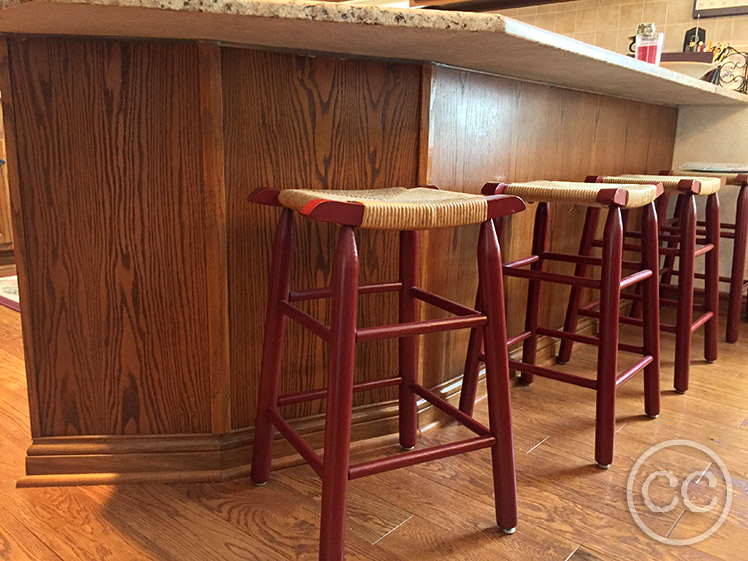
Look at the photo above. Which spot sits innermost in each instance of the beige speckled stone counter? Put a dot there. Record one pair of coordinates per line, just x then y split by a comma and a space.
486, 42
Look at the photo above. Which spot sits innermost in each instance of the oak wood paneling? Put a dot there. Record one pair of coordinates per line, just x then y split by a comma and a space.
484, 127
291, 122
6, 227
216, 259
111, 196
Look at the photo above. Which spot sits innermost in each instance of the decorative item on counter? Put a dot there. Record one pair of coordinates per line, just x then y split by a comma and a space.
732, 70
648, 43
695, 38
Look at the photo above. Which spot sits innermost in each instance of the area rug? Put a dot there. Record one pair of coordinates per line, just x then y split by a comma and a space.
9, 292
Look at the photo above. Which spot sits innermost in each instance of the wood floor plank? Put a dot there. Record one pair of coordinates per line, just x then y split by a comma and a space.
569, 509
18, 543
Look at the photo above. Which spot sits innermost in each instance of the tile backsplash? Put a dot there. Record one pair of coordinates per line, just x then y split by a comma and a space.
610, 23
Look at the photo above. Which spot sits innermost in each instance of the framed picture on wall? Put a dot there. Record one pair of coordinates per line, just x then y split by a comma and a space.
715, 8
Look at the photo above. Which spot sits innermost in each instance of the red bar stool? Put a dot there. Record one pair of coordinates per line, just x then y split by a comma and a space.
682, 242
405, 210
594, 196
737, 231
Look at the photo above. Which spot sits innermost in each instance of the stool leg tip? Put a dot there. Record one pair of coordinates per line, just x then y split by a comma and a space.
408, 448
652, 416
603, 466
710, 361
509, 531
680, 392
559, 361
260, 483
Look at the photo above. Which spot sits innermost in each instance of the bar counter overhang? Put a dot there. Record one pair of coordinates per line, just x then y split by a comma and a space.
135, 132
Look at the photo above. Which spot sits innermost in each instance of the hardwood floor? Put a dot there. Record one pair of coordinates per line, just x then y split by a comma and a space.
569, 509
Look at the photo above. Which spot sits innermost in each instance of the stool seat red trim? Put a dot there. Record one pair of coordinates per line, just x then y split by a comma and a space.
342, 334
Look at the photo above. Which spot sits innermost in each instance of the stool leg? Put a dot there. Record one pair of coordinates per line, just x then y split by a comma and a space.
408, 346
472, 365
636, 305
272, 349
497, 378
539, 239
341, 352
607, 353
651, 309
575, 298
669, 261
738, 266
684, 317
711, 282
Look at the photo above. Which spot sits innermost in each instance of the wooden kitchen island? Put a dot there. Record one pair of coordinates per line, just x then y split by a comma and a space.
135, 132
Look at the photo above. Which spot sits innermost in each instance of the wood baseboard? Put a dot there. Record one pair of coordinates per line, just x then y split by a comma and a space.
98, 460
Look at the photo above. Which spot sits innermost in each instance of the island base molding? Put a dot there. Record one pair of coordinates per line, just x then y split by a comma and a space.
191, 458
204, 458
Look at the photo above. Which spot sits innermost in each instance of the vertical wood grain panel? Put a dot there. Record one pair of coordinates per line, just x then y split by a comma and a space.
111, 195
292, 122
484, 127
19, 231
216, 262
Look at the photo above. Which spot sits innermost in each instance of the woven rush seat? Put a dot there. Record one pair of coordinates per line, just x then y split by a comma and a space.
632, 195
709, 185
397, 208
730, 178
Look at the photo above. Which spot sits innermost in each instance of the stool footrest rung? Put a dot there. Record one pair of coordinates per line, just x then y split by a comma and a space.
552, 277
701, 321
326, 292
304, 319
321, 393
703, 249
587, 260
586, 311
516, 339
441, 302
587, 339
306, 451
466, 420
673, 251
420, 327
524, 262
553, 374
420, 456
626, 375
635, 278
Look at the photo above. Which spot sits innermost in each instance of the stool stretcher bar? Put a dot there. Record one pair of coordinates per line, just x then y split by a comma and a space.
443, 303
578, 380
449, 409
627, 320
587, 339
420, 456
291, 398
552, 374
326, 292
306, 451
587, 260
420, 327
311, 323
552, 277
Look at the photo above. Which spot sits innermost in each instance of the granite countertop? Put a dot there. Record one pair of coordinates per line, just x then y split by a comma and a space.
484, 42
